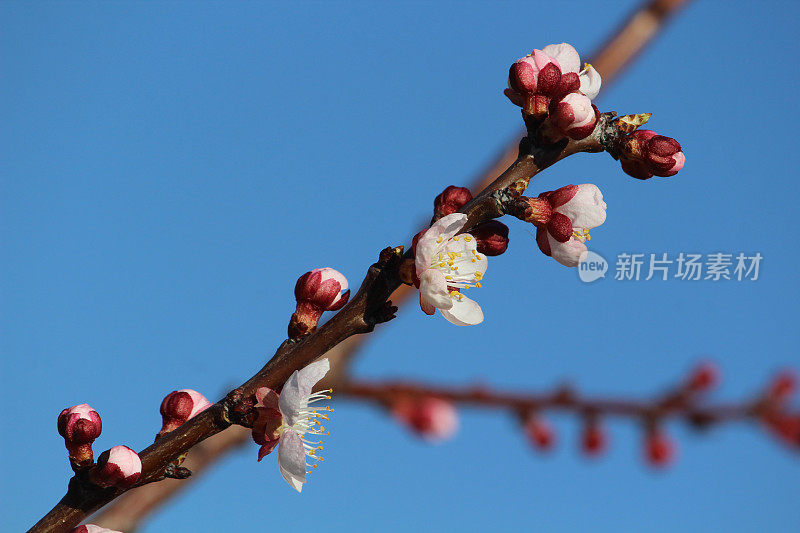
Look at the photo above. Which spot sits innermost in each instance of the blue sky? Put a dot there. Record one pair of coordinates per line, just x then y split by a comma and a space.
170, 169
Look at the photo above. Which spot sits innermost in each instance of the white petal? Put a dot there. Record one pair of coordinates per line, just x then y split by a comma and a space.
569, 253
442, 230
433, 290
566, 56
291, 400
292, 459
465, 312
451, 224
586, 209
295, 392
311, 374
590, 82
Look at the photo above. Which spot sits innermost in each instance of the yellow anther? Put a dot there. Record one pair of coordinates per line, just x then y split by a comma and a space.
478, 285
448, 277
451, 255
473, 260
455, 238
478, 275
467, 238
442, 264
439, 240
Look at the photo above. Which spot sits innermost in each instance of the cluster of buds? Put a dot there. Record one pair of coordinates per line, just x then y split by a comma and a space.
550, 82
178, 407
431, 418
563, 219
317, 291
645, 154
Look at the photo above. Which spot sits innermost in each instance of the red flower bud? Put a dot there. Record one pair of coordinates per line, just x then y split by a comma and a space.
652, 154
317, 291
118, 467
491, 236
593, 439
540, 433
782, 387
703, 377
433, 419
659, 450
451, 200
786, 427
80, 425
179, 406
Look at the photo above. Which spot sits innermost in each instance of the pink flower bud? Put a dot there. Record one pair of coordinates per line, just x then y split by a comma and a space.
492, 237
451, 200
574, 115
179, 406
533, 80
433, 419
593, 439
540, 433
703, 377
659, 450
80, 426
118, 467
317, 291
91, 528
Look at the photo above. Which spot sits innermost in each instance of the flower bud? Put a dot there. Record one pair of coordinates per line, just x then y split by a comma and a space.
179, 406
433, 419
540, 433
533, 80
593, 439
703, 377
782, 387
659, 155
80, 426
317, 291
118, 467
574, 115
659, 450
786, 427
491, 236
451, 200
91, 528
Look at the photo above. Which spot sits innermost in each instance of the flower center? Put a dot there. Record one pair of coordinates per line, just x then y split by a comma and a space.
309, 423
581, 234
459, 267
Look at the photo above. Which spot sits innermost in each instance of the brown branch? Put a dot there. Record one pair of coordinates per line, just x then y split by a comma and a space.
369, 307
561, 399
627, 41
